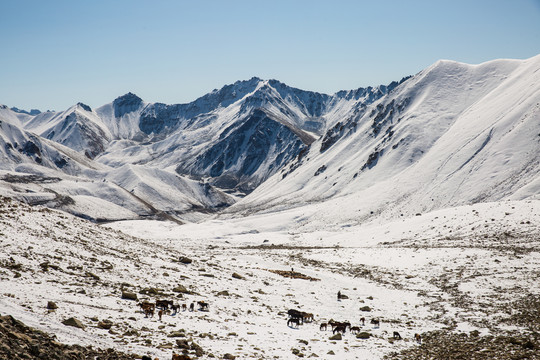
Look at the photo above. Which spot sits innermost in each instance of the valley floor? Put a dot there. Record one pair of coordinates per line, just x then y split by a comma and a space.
462, 274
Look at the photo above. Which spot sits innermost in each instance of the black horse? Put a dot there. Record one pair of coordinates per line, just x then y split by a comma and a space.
295, 314
294, 321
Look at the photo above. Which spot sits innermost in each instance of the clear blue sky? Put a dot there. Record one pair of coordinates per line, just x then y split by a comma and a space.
56, 53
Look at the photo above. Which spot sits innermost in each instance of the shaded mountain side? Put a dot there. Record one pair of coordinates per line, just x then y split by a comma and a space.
247, 153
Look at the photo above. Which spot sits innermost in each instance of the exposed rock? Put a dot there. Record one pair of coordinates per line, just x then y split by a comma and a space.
51, 305
73, 322
105, 324
92, 275
336, 337
181, 289
185, 260
237, 276
363, 335
177, 334
229, 356
182, 343
198, 350
129, 295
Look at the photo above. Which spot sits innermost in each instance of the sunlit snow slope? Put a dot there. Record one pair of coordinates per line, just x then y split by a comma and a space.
453, 134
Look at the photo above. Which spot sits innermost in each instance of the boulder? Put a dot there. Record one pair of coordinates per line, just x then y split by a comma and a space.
105, 324
51, 305
73, 322
185, 260
181, 289
129, 295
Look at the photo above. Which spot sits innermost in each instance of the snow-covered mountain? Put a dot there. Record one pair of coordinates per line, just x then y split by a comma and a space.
42, 171
79, 128
235, 137
453, 134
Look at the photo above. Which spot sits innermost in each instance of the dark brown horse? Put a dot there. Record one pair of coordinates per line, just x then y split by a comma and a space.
339, 329
203, 306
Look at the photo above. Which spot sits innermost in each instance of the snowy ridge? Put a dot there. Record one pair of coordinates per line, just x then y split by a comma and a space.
453, 134
79, 128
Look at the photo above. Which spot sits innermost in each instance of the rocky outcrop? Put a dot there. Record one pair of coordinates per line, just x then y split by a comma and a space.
18, 341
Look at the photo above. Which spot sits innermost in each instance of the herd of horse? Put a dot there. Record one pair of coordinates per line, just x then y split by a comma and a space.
297, 318
168, 307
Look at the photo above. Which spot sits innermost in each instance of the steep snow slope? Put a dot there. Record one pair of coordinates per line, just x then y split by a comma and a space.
453, 134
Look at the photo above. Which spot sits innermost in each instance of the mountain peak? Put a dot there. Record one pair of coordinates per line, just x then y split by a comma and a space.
84, 106
126, 103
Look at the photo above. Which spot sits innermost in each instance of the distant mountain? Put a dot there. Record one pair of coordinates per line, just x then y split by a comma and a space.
21, 111
41, 171
79, 128
234, 137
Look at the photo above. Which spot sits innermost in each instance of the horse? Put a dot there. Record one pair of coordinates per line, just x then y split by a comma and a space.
293, 321
146, 305
160, 314
363, 321
184, 307
323, 327
203, 306
295, 314
163, 304
375, 323
355, 330
149, 311
308, 317
192, 307
418, 338
397, 336
339, 328
175, 308
334, 324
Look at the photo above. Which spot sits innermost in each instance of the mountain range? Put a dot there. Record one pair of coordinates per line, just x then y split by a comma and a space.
453, 134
